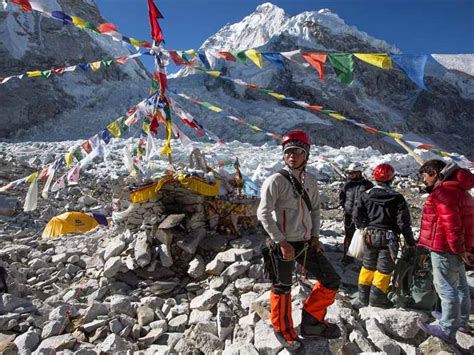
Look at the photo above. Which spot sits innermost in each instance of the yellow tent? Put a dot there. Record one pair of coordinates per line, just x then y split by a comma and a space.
69, 222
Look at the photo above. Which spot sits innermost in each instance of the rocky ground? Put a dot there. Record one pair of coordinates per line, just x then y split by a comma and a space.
169, 284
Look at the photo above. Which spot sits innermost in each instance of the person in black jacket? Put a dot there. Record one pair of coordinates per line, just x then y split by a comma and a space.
349, 194
385, 214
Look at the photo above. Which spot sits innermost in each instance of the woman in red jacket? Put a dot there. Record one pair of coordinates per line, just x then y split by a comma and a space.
447, 229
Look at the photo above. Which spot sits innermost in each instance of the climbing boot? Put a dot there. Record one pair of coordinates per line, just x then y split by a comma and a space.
313, 328
290, 345
363, 299
378, 298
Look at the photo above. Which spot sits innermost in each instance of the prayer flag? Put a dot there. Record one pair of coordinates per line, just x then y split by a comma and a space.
343, 66
255, 57
316, 60
275, 58
226, 56
153, 16
378, 59
413, 66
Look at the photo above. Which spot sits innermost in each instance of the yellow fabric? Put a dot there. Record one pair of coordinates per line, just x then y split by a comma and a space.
95, 66
277, 96
381, 281
167, 148
379, 60
337, 116
201, 187
32, 178
366, 276
69, 222
149, 191
255, 57
114, 129
134, 42
77, 21
214, 73
215, 108
32, 74
68, 159
191, 52
395, 135
146, 127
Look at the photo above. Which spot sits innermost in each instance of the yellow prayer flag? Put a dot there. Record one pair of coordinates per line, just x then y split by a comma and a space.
215, 74
379, 60
114, 129
395, 135
32, 177
146, 127
32, 74
191, 52
167, 148
337, 116
95, 66
77, 21
134, 42
214, 108
277, 96
68, 158
255, 57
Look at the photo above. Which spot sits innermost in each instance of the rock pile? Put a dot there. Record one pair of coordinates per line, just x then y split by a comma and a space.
159, 282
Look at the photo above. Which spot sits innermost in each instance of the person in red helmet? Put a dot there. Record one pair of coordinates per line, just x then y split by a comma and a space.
385, 215
289, 210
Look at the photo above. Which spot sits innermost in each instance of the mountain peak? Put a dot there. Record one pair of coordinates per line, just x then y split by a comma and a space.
268, 7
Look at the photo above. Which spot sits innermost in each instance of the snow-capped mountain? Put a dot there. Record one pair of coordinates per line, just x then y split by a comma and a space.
385, 99
75, 105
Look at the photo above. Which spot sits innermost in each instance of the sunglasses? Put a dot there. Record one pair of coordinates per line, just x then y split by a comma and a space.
295, 151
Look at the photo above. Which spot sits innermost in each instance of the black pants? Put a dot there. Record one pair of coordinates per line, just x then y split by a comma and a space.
349, 229
377, 254
316, 264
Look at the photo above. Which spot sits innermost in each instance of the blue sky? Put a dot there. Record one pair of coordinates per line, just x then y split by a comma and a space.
414, 26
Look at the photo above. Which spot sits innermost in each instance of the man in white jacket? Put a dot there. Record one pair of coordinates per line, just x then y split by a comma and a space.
289, 211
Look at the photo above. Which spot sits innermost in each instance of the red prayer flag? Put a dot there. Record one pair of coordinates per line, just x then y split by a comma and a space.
107, 27
87, 147
161, 78
25, 5
154, 15
58, 71
177, 60
121, 60
371, 130
316, 60
154, 125
227, 56
315, 108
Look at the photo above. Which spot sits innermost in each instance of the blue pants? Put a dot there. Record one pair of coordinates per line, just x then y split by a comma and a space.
450, 282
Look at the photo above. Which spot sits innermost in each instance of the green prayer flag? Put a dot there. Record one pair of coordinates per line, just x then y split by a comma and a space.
91, 27
343, 66
107, 63
155, 85
46, 73
78, 154
241, 55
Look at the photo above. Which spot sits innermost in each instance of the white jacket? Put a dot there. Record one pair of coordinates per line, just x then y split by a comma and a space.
285, 216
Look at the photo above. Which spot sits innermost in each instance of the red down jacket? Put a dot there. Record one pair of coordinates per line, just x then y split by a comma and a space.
447, 224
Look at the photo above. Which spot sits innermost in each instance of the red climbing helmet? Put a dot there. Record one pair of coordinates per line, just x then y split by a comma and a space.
296, 139
384, 173
296, 135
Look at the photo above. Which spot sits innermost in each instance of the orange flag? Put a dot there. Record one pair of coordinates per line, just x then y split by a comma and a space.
316, 60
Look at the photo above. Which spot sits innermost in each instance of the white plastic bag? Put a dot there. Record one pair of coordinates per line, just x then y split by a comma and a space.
356, 249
